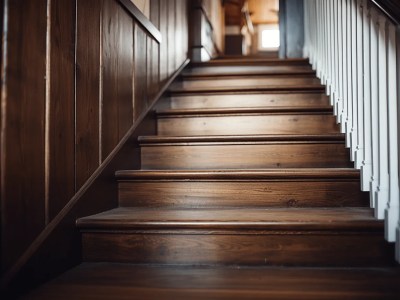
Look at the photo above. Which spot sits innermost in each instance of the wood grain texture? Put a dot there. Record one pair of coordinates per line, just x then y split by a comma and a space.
246, 81
141, 54
215, 71
249, 100
172, 47
117, 111
87, 90
252, 155
122, 281
247, 124
274, 193
23, 129
253, 62
62, 106
317, 250
164, 14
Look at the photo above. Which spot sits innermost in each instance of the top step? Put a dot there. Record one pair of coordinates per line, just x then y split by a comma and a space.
253, 62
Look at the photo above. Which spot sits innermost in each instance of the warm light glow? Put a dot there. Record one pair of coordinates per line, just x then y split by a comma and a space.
270, 38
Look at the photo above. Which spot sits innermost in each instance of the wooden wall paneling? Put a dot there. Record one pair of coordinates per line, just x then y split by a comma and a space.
62, 106
117, 58
155, 68
155, 13
178, 32
171, 37
140, 71
164, 44
23, 130
125, 73
87, 89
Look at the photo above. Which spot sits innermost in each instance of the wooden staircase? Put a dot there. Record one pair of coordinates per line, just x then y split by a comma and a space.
248, 177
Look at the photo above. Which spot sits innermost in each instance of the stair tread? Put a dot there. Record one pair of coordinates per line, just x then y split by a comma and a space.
241, 138
248, 73
260, 88
252, 61
293, 219
245, 110
290, 173
123, 281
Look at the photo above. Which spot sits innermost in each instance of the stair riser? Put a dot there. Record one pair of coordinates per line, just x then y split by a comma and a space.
239, 248
247, 82
208, 193
248, 124
229, 70
250, 100
251, 156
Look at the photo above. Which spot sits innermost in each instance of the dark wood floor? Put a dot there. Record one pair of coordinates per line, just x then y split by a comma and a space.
127, 281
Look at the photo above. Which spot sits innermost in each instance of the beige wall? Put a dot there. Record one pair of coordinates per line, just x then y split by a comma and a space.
215, 13
144, 6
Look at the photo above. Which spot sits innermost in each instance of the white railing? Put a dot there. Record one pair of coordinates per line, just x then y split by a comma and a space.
355, 49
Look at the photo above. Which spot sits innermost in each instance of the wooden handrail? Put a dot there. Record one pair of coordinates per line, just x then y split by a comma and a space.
141, 18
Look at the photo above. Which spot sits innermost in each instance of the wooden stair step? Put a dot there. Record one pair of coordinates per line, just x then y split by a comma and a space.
129, 281
249, 100
176, 89
246, 121
252, 62
234, 152
241, 188
314, 236
246, 81
216, 71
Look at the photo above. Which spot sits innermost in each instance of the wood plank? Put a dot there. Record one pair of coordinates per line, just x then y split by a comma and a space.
119, 281
62, 106
192, 193
252, 61
87, 90
265, 219
118, 56
249, 100
176, 247
172, 46
245, 155
155, 13
141, 70
248, 124
244, 70
244, 81
23, 129
164, 45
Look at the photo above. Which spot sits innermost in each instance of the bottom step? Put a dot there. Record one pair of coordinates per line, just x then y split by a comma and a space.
125, 281
276, 236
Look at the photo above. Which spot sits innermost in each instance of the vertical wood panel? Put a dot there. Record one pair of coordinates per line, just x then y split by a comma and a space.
87, 89
164, 45
117, 53
23, 185
125, 72
171, 37
155, 13
62, 106
140, 71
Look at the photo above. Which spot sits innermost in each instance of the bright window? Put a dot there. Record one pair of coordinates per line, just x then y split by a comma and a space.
269, 37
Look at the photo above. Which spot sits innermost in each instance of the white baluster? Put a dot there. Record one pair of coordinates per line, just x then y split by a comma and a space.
354, 107
382, 192
360, 92
343, 113
340, 62
392, 209
366, 167
348, 112
374, 107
